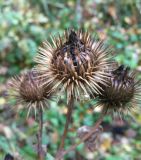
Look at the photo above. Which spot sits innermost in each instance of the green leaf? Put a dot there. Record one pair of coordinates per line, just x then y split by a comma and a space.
49, 157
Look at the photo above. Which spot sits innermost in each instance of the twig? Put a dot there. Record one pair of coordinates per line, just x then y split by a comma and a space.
68, 119
39, 136
85, 137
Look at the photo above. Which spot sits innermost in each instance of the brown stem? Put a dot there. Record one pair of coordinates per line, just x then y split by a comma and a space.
86, 136
39, 136
68, 119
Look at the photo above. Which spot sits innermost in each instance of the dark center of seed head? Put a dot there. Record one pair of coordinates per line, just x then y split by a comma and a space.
73, 37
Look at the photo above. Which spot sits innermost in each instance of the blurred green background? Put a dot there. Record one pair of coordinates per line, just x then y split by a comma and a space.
24, 25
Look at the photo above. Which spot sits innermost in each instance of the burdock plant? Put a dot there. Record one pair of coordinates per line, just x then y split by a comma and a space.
75, 63
121, 95
27, 90
80, 66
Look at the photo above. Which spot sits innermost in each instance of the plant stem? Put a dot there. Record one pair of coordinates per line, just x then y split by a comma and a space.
39, 136
86, 136
68, 119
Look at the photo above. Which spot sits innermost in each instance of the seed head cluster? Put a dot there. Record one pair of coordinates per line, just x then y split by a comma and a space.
79, 65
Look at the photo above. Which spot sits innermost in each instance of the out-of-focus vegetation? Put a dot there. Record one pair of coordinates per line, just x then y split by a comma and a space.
23, 26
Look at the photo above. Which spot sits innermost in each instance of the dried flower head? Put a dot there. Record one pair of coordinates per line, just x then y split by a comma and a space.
27, 90
123, 92
74, 63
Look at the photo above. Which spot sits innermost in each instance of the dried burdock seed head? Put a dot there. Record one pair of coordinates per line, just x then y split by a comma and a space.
75, 63
123, 92
27, 90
